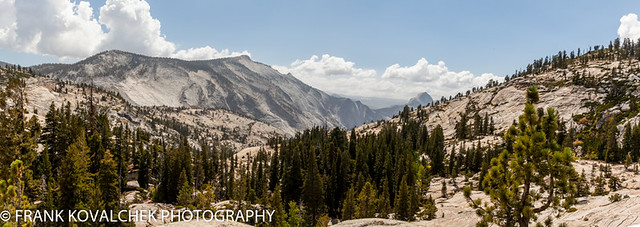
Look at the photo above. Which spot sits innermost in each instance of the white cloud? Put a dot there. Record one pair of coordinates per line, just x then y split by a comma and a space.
437, 79
328, 66
206, 52
629, 27
132, 28
336, 75
67, 29
51, 27
7, 22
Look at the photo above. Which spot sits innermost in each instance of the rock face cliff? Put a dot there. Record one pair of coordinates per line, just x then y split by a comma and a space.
237, 84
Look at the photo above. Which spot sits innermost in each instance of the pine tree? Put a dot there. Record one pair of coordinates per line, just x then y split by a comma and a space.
402, 206
108, 183
582, 185
144, 171
349, 205
430, 209
280, 216
627, 161
461, 127
627, 144
184, 195
477, 125
44, 166
384, 207
614, 183
293, 216
485, 125
312, 189
436, 143
536, 159
292, 179
96, 151
274, 171
612, 151
367, 202
599, 182
74, 179
205, 198
12, 197
452, 161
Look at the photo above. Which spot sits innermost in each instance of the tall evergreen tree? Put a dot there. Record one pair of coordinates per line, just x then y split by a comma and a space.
108, 183
74, 179
185, 194
436, 154
292, 179
144, 171
536, 160
402, 204
349, 205
312, 189
280, 216
367, 202
293, 216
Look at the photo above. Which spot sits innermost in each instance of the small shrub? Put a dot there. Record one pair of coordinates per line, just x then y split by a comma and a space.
615, 198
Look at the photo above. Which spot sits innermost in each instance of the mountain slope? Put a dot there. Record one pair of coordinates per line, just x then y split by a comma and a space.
237, 84
572, 92
215, 125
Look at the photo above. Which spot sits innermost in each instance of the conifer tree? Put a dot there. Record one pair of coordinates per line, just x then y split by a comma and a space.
627, 161
108, 183
367, 202
144, 171
349, 205
599, 188
184, 195
582, 185
44, 167
430, 209
436, 154
292, 179
274, 170
74, 178
614, 183
536, 159
312, 189
443, 189
280, 216
293, 216
12, 197
402, 205
384, 207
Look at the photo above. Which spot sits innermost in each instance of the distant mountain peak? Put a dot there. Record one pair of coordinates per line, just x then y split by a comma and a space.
421, 99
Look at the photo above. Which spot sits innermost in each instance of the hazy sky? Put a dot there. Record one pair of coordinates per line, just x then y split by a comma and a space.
392, 49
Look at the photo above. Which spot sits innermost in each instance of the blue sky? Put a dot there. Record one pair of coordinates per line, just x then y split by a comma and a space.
475, 40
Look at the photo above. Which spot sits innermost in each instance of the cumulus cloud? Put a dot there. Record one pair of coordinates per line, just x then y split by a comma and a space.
336, 75
67, 29
328, 66
206, 52
629, 27
438, 78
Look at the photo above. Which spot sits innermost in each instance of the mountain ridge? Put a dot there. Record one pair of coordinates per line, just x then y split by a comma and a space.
237, 83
